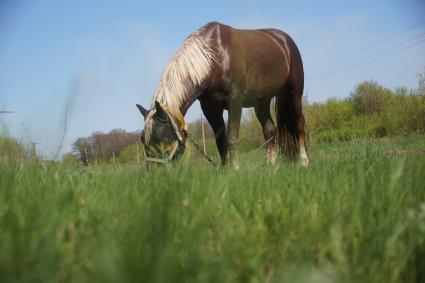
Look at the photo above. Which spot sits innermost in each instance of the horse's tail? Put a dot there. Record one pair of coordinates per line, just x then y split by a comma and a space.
291, 129
286, 123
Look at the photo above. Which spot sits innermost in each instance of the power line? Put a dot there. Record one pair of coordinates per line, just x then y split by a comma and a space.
363, 62
347, 68
377, 54
366, 48
391, 53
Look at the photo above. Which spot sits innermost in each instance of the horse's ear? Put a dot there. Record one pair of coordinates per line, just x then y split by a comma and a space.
160, 112
142, 110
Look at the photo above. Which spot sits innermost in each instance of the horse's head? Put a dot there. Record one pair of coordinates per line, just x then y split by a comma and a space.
164, 135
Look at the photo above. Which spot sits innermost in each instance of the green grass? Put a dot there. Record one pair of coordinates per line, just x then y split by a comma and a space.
357, 214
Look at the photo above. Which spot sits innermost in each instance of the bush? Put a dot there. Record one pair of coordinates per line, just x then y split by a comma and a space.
70, 159
12, 150
131, 154
371, 98
371, 111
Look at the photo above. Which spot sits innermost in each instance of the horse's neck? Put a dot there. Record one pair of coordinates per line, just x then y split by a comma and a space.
182, 106
185, 105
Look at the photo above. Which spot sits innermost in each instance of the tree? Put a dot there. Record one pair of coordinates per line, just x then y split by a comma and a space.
371, 98
131, 154
83, 148
70, 159
102, 146
12, 150
401, 91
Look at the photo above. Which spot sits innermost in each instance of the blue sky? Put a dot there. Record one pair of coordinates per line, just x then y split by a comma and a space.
102, 57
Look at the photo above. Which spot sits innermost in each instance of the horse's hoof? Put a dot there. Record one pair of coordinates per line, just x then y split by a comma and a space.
304, 162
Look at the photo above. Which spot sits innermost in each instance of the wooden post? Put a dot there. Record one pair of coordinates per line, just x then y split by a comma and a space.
87, 159
113, 155
138, 156
146, 159
203, 134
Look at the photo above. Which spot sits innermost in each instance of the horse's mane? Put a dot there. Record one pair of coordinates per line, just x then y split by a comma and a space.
188, 68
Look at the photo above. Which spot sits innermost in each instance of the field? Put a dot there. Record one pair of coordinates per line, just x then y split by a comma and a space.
357, 214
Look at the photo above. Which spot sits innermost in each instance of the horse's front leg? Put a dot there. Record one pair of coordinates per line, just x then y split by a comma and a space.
235, 112
214, 114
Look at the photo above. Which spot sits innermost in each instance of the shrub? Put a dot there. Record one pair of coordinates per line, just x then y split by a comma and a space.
12, 150
371, 98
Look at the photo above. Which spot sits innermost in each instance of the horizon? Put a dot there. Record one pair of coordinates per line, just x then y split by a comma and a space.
97, 59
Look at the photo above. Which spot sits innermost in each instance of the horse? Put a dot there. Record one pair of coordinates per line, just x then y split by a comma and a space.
229, 69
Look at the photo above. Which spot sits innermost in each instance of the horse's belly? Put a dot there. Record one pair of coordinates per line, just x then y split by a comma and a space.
260, 82
249, 102
252, 98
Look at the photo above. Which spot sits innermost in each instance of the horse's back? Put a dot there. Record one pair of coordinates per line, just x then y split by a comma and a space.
263, 47
257, 60
218, 33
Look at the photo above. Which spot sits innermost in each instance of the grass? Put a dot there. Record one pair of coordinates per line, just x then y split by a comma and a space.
357, 214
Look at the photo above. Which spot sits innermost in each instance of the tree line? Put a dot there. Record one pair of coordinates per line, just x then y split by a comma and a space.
372, 110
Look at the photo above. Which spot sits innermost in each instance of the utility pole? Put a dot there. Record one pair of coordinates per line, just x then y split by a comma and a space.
203, 134
5, 112
34, 152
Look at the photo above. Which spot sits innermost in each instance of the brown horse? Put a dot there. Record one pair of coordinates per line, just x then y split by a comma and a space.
229, 69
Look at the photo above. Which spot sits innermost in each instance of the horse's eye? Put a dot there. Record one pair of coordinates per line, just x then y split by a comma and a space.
161, 120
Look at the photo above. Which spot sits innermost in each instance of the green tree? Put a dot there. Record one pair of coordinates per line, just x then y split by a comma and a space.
70, 159
371, 98
131, 154
12, 150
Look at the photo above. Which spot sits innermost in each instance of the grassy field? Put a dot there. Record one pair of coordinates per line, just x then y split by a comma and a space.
357, 214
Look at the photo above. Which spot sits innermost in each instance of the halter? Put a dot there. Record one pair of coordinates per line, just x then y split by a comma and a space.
180, 132
182, 135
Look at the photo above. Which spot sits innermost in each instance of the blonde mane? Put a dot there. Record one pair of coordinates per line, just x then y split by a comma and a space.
189, 67
187, 70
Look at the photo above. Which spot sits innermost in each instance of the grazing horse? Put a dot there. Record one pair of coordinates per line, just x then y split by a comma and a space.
229, 69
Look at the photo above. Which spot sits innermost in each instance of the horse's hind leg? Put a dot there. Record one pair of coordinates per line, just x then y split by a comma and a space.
262, 111
303, 149
300, 125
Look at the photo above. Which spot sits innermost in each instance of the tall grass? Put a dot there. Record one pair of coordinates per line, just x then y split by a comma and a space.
357, 214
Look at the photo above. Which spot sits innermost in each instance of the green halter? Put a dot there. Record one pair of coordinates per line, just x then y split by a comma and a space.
163, 153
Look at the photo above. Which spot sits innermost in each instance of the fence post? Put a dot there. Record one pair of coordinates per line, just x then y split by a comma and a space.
87, 158
138, 156
203, 134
